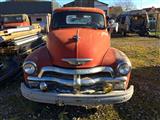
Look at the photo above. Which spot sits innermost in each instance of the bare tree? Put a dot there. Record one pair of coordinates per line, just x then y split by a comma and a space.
125, 4
55, 4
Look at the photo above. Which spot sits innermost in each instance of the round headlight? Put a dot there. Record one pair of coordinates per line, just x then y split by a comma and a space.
29, 67
124, 68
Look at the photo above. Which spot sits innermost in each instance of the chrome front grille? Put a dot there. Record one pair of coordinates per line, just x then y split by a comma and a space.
85, 76
71, 80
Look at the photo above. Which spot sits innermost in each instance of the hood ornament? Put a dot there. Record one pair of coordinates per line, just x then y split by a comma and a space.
76, 37
77, 61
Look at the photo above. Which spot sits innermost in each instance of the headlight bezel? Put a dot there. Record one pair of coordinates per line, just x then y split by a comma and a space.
32, 64
119, 69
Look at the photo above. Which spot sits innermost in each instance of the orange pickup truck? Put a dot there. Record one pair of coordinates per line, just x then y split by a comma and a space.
14, 20
77, 66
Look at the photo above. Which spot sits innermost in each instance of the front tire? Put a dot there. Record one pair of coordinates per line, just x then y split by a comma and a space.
9, 66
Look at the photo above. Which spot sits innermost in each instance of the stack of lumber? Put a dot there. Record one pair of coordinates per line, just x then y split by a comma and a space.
14, 39
19, 33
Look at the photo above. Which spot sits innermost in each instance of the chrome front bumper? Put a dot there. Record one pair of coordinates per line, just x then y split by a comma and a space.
76, 99
78, 81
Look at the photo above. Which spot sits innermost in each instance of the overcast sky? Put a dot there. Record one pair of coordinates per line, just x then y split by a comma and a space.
139, 3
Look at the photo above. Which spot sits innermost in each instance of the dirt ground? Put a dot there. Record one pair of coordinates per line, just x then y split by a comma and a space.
144, 54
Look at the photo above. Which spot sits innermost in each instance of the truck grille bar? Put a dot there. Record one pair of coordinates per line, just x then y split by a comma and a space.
75, 71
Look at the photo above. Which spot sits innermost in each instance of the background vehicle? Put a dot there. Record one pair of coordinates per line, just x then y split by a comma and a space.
14, 20
134, 22
77, 66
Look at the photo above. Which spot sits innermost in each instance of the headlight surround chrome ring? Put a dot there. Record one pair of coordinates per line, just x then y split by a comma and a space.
29, 67
124, 68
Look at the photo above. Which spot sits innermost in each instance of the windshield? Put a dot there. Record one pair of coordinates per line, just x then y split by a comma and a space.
8, 19
78, 19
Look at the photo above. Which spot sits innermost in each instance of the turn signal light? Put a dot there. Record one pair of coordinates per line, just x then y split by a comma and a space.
108, 87
43, 86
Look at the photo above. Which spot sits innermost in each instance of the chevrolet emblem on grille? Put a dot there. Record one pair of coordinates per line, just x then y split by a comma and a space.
77, 61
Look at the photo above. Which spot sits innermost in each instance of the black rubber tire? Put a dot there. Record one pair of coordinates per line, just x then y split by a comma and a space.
124, 33
11, 67
144, 33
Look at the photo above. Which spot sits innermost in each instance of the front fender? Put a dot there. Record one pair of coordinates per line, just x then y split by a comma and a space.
41, 57
113, 58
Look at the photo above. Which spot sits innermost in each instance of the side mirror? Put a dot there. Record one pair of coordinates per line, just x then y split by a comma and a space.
112, 26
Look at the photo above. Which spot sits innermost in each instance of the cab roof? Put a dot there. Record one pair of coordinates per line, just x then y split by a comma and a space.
83, 9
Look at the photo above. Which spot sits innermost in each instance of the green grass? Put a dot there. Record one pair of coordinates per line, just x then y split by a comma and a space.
144, 54
142, 51
154, 33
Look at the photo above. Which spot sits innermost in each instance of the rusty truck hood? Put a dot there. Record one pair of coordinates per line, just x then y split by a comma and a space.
78, 43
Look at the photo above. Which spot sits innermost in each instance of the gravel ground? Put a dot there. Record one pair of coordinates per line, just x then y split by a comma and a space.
144, 105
